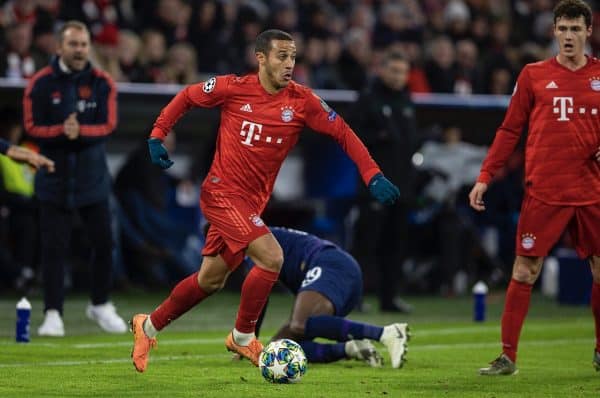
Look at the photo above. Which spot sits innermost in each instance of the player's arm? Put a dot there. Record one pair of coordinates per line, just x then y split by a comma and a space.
208, 94
321, 118
25, 155
506, 139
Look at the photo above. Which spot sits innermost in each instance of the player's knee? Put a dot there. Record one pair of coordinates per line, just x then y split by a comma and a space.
595, 267
209, 284
273, 261
526, 272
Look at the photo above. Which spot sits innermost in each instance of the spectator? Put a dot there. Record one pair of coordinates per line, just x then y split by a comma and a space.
355, 58
106, 51
129, 48
84, 113
469, 76
385, 120
440, 68
181, 67
16, 61
153, 55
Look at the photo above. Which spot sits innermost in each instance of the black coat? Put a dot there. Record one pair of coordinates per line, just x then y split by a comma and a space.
385, 121
81, 177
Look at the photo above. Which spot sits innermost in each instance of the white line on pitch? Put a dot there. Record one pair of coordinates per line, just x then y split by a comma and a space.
417, 348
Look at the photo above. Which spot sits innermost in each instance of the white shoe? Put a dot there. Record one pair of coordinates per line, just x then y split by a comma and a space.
106, 316
364, 350
52, 325
394, 337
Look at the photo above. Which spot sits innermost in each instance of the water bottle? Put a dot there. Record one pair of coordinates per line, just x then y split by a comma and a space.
480, 291
23, 314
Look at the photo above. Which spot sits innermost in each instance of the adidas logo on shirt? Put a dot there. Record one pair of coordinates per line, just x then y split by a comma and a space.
246, 108
551, 85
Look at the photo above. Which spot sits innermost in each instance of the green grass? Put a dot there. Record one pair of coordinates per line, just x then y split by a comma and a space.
445, 352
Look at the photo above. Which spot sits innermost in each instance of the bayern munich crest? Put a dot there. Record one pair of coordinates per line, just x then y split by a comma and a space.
287, 114
256, 220
595, 84
528, 241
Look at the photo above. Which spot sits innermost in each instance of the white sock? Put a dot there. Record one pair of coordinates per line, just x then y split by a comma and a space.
387, 331
149, 328
242, 339
350, 349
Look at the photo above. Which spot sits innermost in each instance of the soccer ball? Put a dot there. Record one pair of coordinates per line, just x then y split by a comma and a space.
282, 361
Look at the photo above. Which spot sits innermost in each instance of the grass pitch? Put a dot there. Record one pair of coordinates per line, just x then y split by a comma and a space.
445, 352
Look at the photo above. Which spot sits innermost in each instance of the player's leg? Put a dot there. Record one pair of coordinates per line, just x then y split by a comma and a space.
268, 259
184, 296
595, 304
584, 234
540, 227
311, 304
337, 276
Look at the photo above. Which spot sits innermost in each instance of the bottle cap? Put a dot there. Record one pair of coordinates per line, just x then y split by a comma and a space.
480, 288
24, 304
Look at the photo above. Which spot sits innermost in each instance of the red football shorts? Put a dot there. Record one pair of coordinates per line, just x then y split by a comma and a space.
234, 223
541, 225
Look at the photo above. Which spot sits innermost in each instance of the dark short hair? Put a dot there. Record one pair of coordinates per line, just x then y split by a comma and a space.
71, 24
573, 9
392, 56
264, 39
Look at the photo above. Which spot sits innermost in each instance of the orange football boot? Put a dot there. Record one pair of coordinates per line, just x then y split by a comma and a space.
251, 351
142, 344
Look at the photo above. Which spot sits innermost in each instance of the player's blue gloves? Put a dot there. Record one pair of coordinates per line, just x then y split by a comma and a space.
159, 154
383, 190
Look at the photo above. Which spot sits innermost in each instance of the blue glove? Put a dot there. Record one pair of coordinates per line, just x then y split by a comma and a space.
159, 154
383, 190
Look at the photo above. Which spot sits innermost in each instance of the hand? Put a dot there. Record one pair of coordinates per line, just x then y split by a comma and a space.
598, 154
71, 126
159, 154
34, 159
476, 196
383, 190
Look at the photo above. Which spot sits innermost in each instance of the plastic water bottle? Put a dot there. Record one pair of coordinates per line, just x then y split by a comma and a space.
480, 291
23, 315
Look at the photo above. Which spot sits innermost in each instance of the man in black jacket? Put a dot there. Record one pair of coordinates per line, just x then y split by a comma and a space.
70, 109
385, 121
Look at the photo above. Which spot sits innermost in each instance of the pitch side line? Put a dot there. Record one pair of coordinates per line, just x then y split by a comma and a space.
413, 348
113, 360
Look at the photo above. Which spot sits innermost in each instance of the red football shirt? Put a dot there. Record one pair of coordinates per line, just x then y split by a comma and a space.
561, 109
258, 130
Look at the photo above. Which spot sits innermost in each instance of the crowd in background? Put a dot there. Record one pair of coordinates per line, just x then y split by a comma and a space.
455, 46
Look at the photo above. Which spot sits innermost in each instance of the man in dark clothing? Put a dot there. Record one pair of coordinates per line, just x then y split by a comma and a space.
385, 121
70, 108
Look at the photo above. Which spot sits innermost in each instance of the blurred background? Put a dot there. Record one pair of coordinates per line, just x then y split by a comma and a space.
464, 58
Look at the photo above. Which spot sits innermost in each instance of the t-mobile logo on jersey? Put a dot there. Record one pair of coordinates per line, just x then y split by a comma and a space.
565, 105
253, 132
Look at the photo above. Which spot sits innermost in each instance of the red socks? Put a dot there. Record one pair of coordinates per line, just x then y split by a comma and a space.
185, 295
255, 291
596, 311
516, 306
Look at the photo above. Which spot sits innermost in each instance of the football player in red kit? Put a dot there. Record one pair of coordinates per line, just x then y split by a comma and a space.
262, 116
558, 100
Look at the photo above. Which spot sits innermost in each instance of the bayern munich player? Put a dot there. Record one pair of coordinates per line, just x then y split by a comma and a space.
262, 116
558, 101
